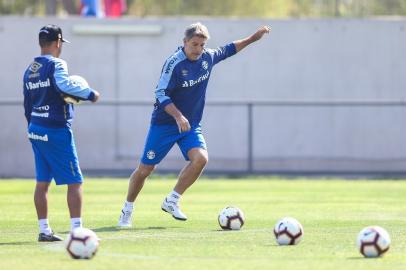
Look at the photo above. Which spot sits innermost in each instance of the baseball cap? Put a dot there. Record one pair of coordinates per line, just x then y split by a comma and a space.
51, 32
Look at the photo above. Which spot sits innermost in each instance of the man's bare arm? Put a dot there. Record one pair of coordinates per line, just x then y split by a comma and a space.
242, 43
181, 121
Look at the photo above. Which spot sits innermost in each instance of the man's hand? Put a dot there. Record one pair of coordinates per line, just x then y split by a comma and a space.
242, 43
183, 123
260, 32
96, 96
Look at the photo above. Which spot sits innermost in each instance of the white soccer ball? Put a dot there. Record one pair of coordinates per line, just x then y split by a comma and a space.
231, 218
79, 80
82, 243
76, 80
288, 231
373, 241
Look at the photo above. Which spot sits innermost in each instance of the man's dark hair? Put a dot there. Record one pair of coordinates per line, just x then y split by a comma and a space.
44, 42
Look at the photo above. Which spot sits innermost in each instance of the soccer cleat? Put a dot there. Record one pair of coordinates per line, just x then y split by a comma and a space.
42, 237
125, 219
173, 209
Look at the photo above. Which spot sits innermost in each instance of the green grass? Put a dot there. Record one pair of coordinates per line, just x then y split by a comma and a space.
332, 213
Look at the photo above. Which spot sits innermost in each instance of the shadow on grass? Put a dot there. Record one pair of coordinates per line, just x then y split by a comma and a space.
225, 231
363, 258
19, 243
102, 229
116, 229
279, 246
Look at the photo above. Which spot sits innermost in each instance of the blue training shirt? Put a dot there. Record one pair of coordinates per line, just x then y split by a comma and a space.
45, 80
183, 82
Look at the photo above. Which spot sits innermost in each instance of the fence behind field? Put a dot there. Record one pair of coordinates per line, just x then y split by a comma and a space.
316, 96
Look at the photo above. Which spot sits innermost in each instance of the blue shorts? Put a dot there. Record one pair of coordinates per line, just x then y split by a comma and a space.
55, 155
161, 139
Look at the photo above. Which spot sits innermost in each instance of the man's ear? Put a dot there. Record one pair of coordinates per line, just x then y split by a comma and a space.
59, 43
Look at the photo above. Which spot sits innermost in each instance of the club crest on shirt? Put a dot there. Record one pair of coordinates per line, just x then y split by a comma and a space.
35, 66
205, 65
184, 72
150, 154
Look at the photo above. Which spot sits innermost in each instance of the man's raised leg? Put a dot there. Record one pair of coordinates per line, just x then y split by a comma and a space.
190, 173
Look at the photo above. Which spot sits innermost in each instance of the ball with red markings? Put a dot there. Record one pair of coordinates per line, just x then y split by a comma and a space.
288, 231
82, 243
231, 218
373, 241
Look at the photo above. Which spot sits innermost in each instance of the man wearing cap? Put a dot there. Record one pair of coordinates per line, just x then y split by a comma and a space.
49, 117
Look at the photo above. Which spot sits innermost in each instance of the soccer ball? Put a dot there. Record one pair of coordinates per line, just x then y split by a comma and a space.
76, 80
288, 231
231, 218
373, 241
82, 243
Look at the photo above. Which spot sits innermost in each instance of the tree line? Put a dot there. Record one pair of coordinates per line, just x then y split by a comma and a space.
222, 8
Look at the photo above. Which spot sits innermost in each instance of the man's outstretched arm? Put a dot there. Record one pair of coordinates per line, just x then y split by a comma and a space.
242, 43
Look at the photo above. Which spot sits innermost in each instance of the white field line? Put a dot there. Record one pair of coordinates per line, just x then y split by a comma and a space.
181, 235
130, 256
60, 246
177, 258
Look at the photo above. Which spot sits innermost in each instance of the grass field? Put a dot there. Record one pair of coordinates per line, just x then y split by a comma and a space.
332, 213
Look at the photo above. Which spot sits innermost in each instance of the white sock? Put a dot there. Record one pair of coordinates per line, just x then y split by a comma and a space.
173, 197
75, 223
128, 206
44, 226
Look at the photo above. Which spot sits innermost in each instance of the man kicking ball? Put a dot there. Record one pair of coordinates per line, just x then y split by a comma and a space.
180, 99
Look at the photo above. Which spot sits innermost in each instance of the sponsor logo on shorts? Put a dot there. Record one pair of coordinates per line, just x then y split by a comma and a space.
150, 154
34, 136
